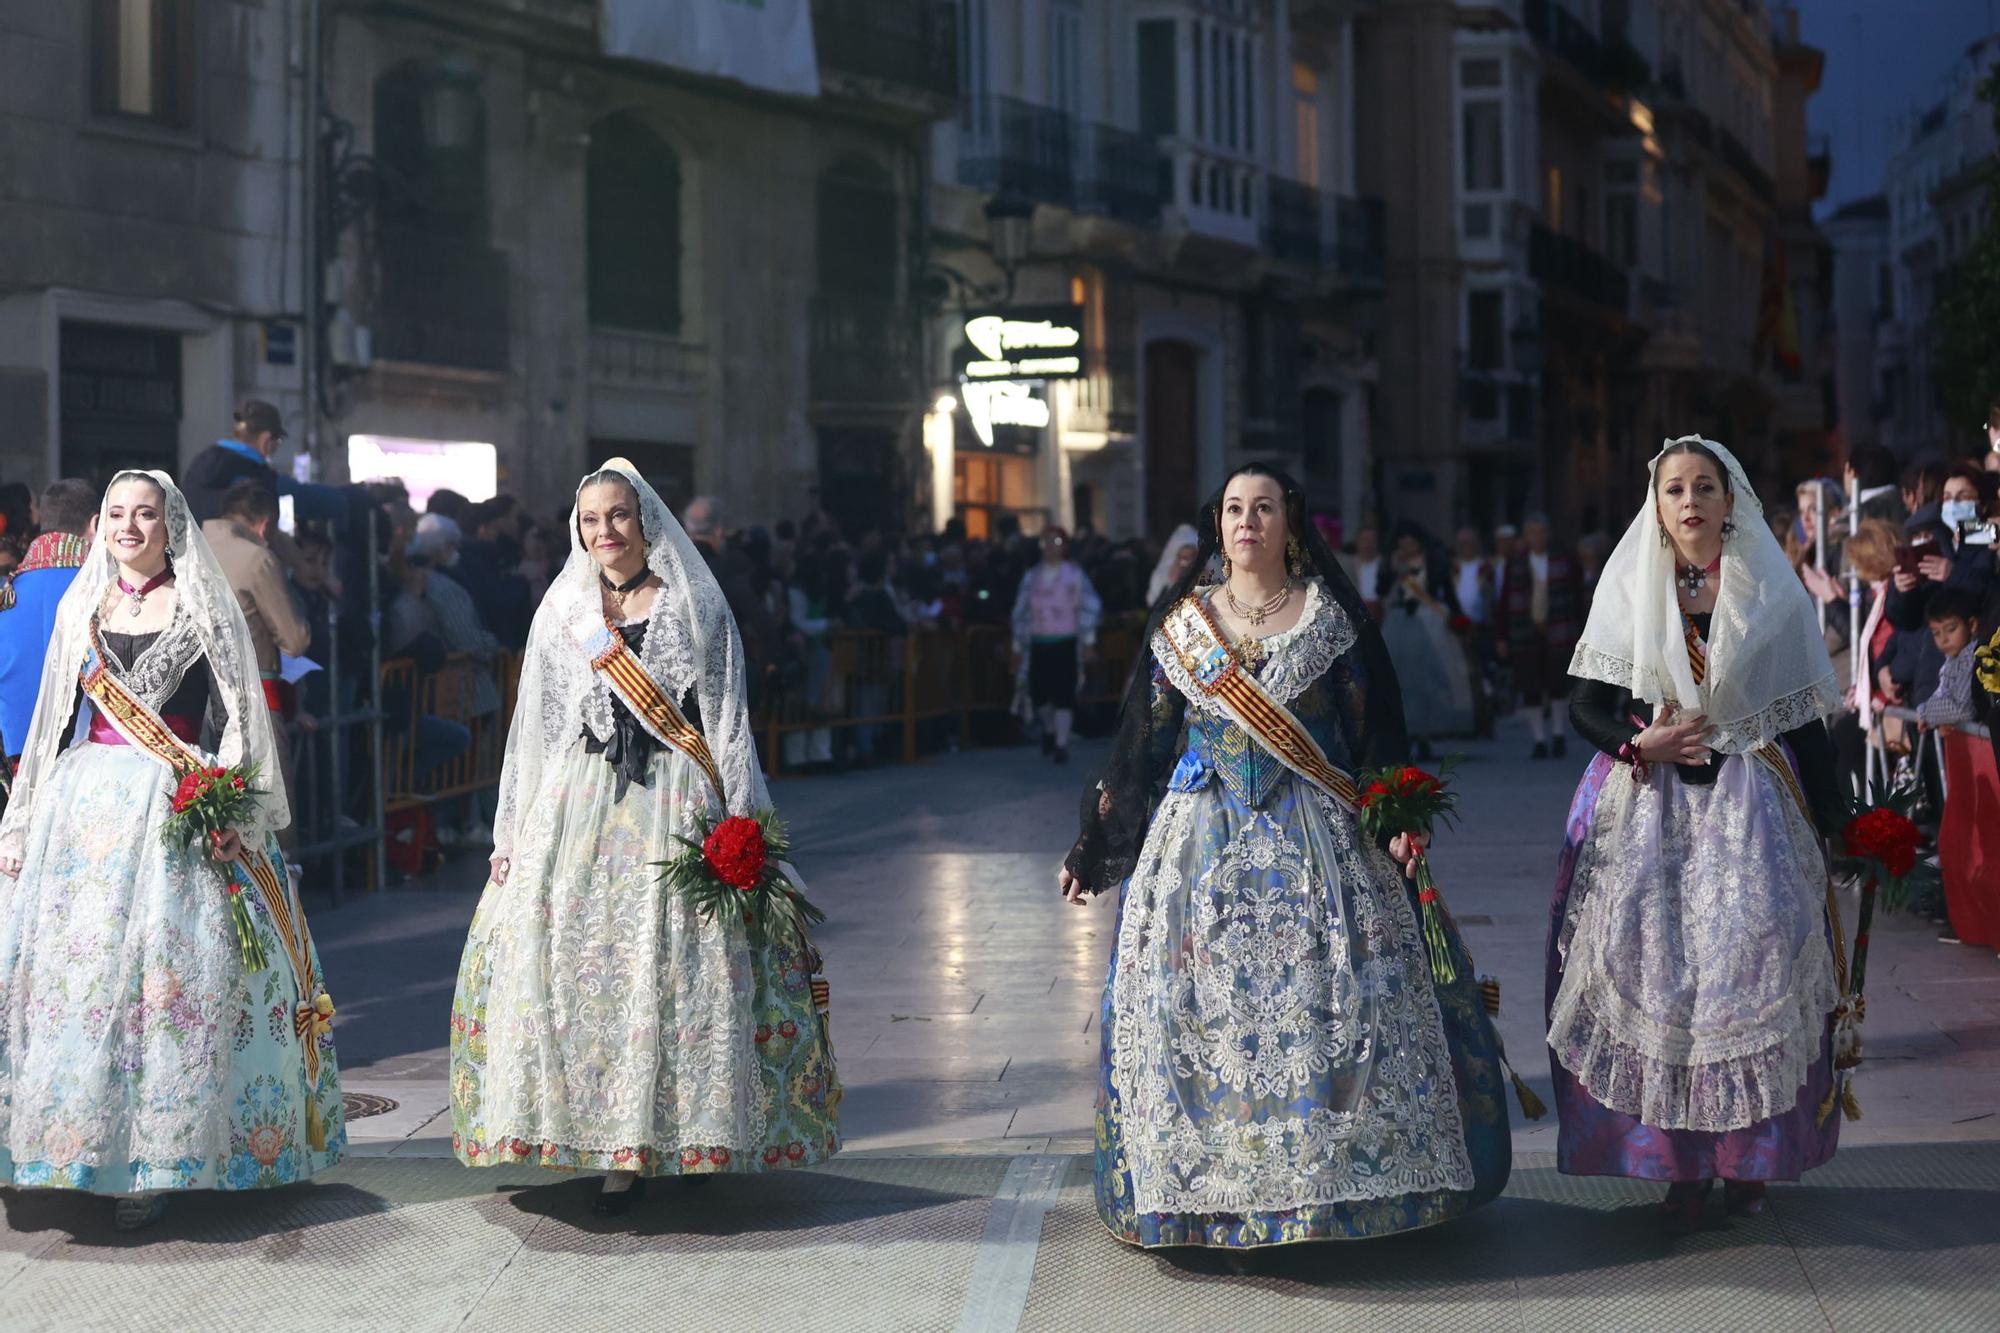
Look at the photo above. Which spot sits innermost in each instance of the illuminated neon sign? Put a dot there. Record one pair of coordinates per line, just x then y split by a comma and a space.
1024, 343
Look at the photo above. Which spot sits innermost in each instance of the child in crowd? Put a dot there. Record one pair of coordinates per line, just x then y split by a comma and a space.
1953, 614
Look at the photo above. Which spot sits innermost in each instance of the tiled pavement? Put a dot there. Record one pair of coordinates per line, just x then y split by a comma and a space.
964, 998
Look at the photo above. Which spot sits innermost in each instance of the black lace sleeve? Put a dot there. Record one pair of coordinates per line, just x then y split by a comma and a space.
1813, 748
1600, 714
1117, 807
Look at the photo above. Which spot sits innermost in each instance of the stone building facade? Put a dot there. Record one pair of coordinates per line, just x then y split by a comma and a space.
150, 227
526, 244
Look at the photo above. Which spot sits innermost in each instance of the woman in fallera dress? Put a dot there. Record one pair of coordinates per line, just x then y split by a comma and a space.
1690, 973
601, 1023
140, 1054
1278, 1063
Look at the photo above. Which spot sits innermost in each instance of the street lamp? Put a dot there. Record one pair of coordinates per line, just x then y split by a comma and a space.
450, 108
1009, 215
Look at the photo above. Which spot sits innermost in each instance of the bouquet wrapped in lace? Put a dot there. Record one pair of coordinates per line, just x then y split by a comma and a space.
735, 866
207, 803
1409, 800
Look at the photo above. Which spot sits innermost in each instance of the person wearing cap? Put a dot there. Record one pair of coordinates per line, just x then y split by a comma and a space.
246, 454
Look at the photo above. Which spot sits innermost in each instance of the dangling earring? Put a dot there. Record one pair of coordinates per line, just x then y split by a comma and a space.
1663, 536
1728, 528
1225, 566
1295, 558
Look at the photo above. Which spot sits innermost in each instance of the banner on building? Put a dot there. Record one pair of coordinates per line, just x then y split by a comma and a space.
766, 44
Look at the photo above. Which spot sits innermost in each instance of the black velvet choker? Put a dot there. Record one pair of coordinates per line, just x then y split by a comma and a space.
629, 585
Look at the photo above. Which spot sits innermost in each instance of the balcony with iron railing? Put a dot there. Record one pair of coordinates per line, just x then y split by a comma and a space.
907, 44
1294, 229
1008, 145
1611, 63
1569, 265
442, 300
1120, 174
862, 353
630, 357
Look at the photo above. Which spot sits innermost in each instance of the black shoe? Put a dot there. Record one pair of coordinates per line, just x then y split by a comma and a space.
619, 1202
1541, 750
1561, 746
1062, 754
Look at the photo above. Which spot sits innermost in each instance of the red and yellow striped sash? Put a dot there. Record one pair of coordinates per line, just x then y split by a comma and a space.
614, 659
143, 729
1213, 664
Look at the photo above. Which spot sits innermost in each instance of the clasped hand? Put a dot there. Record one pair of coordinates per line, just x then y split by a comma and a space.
1674, 739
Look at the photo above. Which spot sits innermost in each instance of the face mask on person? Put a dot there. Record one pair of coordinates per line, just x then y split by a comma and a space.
1958, 512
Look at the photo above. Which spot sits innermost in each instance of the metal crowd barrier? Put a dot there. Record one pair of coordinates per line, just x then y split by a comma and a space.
891, 686
1881, 766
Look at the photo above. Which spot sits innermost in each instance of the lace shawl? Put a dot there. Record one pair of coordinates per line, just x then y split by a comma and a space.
205, 609
1768, 669
691, 640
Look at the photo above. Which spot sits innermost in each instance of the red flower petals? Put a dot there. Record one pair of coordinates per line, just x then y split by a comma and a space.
735, 851
1885, 836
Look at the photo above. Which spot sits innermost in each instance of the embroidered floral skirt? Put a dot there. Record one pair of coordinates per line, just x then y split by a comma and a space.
1277, 1065
136, 1053
1749, 817
600, 1023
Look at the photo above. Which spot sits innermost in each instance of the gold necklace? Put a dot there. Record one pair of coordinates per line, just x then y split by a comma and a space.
1257, 615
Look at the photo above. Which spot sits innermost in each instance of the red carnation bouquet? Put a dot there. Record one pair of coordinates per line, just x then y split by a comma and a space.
207, 803
1879, 850
1409, 800
734, 866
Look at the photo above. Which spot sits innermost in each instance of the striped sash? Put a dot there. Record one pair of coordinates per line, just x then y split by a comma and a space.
1213, 664
312, 1012
611, 657
1770, 754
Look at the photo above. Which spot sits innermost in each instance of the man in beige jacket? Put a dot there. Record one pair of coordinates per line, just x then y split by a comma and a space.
240, 541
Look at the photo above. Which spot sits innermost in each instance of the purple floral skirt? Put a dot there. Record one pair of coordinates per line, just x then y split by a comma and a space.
1593, 1140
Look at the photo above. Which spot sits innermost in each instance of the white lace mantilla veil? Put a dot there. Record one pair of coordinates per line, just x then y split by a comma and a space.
691, 640
203, 598
1768, 669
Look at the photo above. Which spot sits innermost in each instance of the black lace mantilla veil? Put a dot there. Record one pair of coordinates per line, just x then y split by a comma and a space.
1117, 808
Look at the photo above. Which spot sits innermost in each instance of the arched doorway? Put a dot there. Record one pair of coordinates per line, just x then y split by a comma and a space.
634, 231
1172, 429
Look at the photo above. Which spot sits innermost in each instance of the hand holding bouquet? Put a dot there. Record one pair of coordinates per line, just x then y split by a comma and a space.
1408, 800
734, 867
209, 804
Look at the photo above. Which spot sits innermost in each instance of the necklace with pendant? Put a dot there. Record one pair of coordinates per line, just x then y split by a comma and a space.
1264, 610
135, 598
1693, 578
620, 591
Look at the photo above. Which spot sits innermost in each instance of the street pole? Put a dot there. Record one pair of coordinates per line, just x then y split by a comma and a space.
311, 274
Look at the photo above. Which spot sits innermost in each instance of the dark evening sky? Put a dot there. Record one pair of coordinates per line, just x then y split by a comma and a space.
1885, 59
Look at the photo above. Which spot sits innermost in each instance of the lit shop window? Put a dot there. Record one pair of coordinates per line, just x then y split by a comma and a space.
425, 466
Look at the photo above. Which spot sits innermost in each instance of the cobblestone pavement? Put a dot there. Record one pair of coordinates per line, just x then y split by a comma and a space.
964, 998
